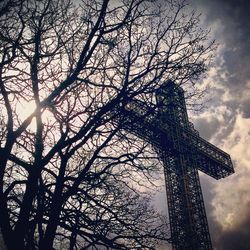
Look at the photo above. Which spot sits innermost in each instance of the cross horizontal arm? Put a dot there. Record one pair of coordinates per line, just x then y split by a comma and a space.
209, 159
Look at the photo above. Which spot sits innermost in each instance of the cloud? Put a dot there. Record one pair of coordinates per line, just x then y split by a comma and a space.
238, 237
230, 23
226, 121
233, 196
207, 126
211, 122
227, 201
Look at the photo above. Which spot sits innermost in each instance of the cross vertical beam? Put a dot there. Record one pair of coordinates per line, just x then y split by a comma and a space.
188, 221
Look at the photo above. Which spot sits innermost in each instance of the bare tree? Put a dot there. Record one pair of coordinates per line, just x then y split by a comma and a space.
70, 173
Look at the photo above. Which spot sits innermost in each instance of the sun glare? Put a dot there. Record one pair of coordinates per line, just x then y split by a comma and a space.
25, 109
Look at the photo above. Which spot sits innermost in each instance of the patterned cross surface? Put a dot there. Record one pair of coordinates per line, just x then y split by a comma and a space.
183, 153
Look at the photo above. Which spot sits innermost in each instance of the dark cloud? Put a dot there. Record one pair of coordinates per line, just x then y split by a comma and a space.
236, 238
217, 123
245, 107
230, 24
215, 229
206, 127
231, 20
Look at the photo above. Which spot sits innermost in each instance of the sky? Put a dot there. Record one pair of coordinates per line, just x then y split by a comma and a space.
225, 121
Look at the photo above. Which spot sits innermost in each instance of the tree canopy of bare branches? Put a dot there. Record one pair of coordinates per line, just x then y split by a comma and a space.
70, 176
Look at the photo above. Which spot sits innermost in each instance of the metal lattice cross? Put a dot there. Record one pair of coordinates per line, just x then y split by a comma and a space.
183, 153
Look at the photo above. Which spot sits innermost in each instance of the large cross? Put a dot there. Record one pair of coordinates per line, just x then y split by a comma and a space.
183, 153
